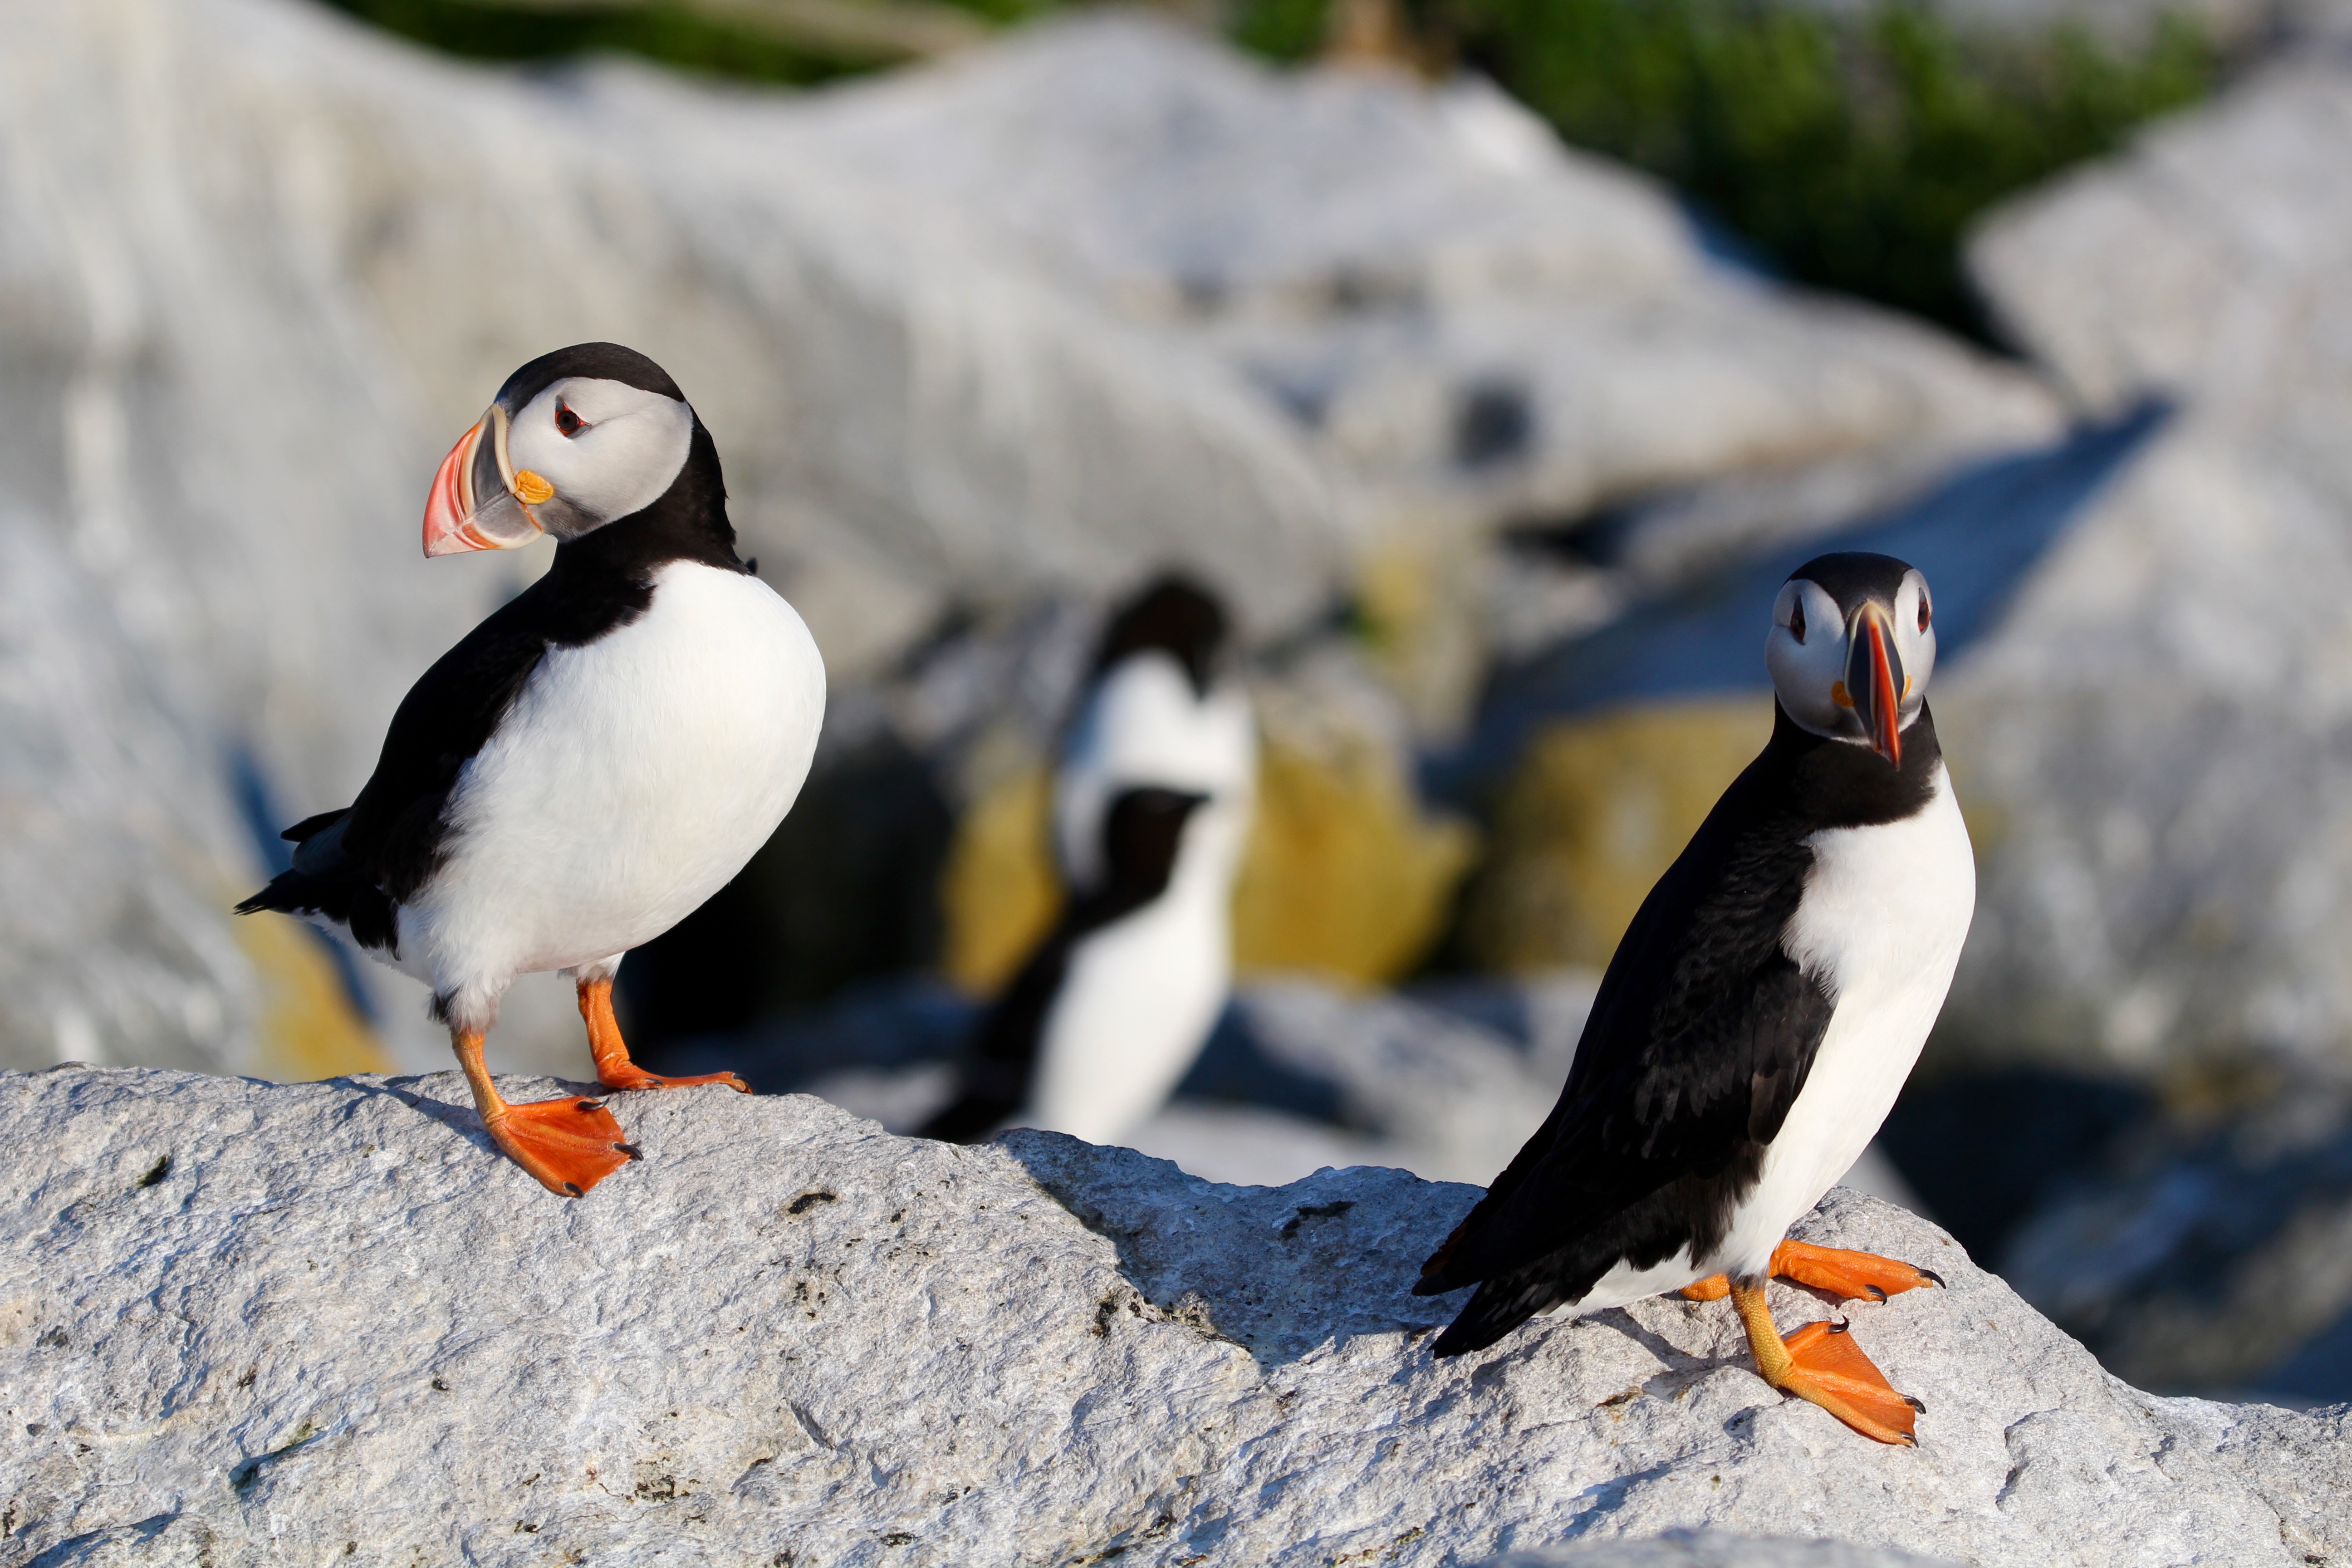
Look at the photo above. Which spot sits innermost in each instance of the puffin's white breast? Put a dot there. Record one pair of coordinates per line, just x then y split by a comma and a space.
1144, 724
632, 778
1137, 1004
1885, 913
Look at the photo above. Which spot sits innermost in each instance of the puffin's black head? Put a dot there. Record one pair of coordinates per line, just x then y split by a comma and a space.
1174, 615
1851, 646
574, 439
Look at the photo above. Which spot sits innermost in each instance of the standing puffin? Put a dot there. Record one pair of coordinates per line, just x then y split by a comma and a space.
1152, 805
590, 763
1757, 1019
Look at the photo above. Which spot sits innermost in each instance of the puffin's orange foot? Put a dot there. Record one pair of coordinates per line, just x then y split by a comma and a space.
1714, 1288
613, 1068
1843, 1273
626, 1074
570, 1144
1826, 1367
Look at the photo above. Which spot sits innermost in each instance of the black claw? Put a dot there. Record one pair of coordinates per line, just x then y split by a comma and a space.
1907, 1440
572, 1189
1876, 1294
1840, 1326
631, 1149
1937, 1277
1915, 1405
589, 1105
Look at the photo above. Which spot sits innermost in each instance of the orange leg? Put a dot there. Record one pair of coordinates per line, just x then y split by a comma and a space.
570, 1144
1831, 1269
613, 1068
1821, 1363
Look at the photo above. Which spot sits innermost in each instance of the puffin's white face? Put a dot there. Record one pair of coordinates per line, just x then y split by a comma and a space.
1857, 670
581, 452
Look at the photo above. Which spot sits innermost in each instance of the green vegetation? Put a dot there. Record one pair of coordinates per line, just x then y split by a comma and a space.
1847, 153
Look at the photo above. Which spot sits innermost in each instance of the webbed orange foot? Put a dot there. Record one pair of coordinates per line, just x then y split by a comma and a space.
1821, 1363
613, 1068
570, 1144
629, 1075
1848, 1274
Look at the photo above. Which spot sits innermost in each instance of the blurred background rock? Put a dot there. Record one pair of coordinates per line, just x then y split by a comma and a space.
1495, 358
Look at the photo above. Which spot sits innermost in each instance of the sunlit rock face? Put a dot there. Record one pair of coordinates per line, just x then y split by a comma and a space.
1097, 300
2160, 785
230, 1310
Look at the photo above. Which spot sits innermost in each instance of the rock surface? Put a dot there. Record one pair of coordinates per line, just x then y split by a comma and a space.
242, 1320
2160, 796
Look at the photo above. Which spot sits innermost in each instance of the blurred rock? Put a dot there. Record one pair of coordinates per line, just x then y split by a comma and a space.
2205, 1262
1002, 333
786, 1335
1710, 1549
2156, 771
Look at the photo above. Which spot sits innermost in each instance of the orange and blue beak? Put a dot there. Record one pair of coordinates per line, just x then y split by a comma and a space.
479, 500
1874, 684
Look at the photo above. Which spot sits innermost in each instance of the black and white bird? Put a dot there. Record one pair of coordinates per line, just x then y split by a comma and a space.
1759, 1018
591, 761
1152, 803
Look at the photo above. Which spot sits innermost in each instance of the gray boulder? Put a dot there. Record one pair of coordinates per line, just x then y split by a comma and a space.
244, 1322
2156, 779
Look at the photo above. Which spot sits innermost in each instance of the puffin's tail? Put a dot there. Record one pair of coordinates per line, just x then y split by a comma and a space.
324, 883
1500, 1306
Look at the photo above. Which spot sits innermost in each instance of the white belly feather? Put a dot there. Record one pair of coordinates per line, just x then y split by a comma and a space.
631, 779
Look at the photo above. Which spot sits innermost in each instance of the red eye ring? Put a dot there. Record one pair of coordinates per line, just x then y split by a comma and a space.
1923, 612
567, 422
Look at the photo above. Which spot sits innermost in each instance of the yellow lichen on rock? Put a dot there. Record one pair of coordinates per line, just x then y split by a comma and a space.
1344, 875
1596, 811
999, 891
309, 1028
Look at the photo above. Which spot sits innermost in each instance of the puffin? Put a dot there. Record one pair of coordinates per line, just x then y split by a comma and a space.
1152, 801
590, 763
1756, 1021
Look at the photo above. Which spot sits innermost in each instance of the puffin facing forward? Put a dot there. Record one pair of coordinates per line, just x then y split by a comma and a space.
1152, 802
1759, 1018
592, 761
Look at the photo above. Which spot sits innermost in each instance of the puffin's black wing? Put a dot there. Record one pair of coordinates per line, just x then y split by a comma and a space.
1699, 1040
354, 866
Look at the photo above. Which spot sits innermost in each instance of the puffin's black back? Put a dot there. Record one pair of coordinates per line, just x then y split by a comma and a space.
1699, 1040
357, 865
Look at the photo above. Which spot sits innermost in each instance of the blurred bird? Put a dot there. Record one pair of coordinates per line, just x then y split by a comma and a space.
1757, 1019
1152, 805
590, 763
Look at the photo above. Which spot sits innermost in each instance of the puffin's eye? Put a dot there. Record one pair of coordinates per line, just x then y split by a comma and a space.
1797, 620
570, 424
1923, 612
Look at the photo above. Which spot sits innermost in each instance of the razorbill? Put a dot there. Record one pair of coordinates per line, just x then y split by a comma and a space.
591, 761
1152, 805
1757, 1019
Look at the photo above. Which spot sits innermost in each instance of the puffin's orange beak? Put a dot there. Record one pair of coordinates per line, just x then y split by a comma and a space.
1873, 681
456, 515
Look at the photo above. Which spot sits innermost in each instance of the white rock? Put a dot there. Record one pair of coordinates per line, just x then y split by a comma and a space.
2156, 735
245, 1322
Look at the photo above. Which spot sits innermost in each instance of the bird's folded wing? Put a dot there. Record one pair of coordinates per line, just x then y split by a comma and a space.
1698, 1042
